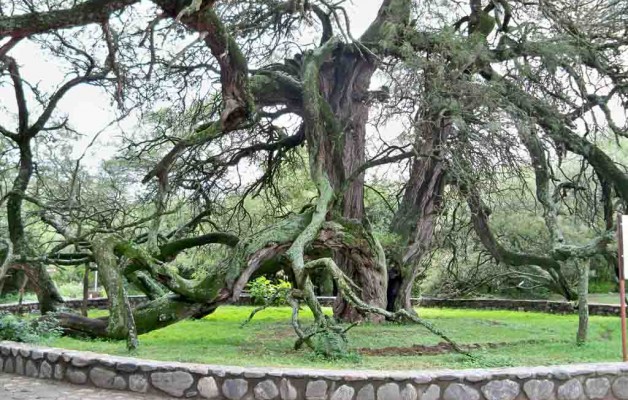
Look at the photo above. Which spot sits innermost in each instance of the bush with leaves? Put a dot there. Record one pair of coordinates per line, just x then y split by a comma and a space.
28, 330
332, 345
266, 292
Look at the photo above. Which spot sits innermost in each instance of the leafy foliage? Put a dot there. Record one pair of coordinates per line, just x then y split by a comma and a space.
331, 345
266, 292
28, 330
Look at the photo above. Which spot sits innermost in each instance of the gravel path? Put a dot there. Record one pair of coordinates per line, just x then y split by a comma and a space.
15, 387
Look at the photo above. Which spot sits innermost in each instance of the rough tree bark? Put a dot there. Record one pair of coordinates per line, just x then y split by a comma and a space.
421, 204
47, 293
345, 86
583, 303
120, 323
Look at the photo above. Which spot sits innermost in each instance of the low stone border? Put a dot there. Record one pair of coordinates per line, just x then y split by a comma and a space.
179, 380
546, 306
101, 303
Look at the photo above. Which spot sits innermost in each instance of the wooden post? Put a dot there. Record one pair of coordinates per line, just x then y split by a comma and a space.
622, 286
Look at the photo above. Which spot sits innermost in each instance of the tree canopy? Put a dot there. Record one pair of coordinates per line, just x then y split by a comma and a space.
444, 112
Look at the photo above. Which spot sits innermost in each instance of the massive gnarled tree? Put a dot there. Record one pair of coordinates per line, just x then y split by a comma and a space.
470, 92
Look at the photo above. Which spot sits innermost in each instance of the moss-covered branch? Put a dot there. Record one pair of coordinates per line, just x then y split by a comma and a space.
479, 219
314, 133
237, 100
120, 324
89, 12
392, 19
156, 314
171, 249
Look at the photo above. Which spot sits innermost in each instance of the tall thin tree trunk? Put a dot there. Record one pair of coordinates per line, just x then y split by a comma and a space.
121, 324
583, 303
132, 341
84, 304
47, 293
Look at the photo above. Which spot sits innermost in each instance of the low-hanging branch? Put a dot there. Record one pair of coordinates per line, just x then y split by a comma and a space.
552, 123
479, 219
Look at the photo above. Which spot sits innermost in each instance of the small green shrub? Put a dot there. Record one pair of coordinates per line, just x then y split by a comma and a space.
28, 330
71, 290
602, 287
330, 345
14, 298
265, 292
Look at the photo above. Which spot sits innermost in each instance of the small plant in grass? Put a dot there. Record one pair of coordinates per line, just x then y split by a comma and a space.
331, 346
28, 330
268, 293
486, 360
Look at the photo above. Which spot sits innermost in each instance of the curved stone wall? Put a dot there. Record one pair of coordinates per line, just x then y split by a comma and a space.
546, 306
179, 380
99, 303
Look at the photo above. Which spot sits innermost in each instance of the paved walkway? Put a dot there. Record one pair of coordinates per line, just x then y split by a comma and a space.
15, 387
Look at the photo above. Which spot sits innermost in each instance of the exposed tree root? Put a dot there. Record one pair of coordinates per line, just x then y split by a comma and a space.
347, 288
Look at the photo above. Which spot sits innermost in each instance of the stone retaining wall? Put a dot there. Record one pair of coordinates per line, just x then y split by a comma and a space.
547, 306
99, 303
178, 380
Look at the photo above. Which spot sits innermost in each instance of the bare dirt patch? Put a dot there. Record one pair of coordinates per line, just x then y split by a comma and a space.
440, 348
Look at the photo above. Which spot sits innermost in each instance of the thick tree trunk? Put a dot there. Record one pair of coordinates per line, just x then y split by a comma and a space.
345, 85
421, 204
121, 323
371, 279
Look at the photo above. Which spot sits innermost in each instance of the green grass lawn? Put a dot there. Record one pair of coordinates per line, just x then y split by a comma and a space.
525, 338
